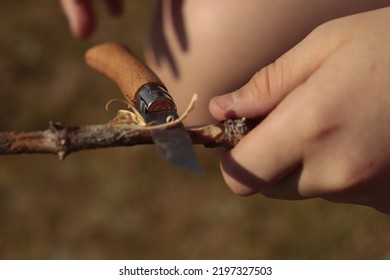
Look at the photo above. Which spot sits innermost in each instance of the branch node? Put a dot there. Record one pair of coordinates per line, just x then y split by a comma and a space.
55, 126
235, 130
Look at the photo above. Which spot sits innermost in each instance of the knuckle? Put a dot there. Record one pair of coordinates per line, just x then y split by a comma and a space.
319, 124
238, 179
268, 82
237, 187
356, 171
343, 179
241, 190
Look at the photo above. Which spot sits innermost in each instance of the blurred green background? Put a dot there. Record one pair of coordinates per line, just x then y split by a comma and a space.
129, 203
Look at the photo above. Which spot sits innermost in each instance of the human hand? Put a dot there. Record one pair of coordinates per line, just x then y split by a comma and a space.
81, 17
326, 110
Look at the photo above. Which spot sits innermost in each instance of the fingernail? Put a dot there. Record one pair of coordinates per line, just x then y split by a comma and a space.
228, 100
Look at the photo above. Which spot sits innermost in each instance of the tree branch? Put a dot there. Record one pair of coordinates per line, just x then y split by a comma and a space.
64, 139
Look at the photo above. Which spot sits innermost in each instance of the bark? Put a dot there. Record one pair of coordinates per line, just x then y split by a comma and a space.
63, 139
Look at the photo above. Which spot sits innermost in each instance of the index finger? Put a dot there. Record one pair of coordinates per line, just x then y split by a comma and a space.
269, 153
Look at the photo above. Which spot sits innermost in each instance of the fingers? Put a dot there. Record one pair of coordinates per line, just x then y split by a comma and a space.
272, 83
273, 152
80, 17
274, 157
267, 154
314, 144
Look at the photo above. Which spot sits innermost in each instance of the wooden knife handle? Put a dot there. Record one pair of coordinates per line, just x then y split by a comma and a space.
118, 63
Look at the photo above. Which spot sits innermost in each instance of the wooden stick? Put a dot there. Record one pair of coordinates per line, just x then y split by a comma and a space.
64, 139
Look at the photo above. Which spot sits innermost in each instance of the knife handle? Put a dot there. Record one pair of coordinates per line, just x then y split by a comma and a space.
119, 64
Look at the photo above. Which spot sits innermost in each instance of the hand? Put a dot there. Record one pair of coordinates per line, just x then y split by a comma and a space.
81, 17
326, 110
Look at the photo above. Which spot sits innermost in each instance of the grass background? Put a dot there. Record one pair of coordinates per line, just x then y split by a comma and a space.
128, 202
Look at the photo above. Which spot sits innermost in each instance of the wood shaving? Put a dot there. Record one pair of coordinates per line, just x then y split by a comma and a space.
132, 118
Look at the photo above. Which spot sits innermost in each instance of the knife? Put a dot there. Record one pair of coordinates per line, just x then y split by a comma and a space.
142, 88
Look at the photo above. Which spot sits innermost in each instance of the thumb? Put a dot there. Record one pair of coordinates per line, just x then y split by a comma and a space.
272, 83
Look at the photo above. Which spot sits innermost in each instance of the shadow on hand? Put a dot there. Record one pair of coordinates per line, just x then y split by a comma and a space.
239, 173
284, 187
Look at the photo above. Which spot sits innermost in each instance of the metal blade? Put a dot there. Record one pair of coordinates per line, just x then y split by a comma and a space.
174, 143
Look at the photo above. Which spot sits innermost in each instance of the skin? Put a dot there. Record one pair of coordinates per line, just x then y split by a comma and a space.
81, 16
213, 47
326, 110
222, 43
324, 100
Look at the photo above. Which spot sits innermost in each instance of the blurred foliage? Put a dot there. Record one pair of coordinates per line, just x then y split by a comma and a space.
129, 203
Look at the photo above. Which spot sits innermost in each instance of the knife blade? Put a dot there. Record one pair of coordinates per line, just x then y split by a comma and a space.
142, 88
